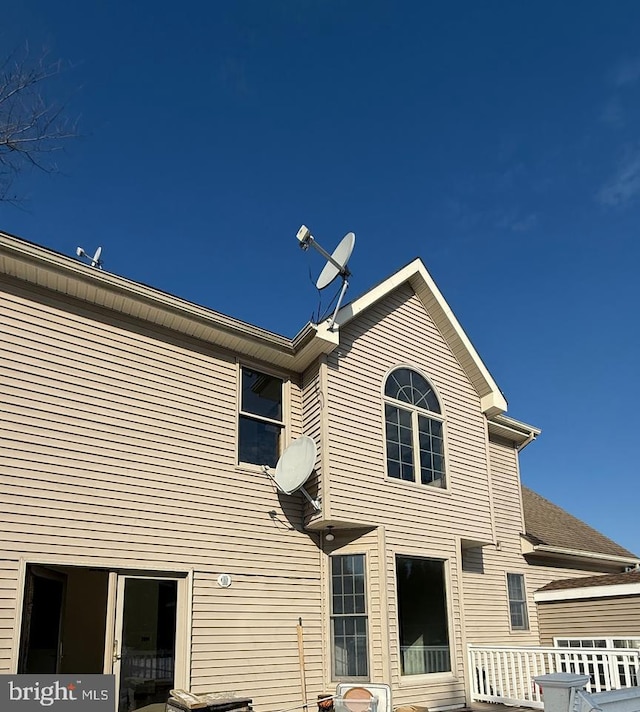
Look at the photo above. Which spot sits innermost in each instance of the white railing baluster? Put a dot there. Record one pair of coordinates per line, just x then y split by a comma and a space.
505, 673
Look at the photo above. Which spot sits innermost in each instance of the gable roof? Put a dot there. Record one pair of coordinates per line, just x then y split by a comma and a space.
551, 530
603, 586
415, 274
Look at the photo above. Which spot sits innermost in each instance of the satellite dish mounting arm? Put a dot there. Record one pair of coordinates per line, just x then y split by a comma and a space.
314, 502
336, 263
307, 240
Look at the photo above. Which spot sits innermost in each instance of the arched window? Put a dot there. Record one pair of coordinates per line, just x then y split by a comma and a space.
414, 429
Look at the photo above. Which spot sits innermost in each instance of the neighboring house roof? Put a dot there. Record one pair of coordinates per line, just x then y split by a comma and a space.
551, 530
601, 580
602, 586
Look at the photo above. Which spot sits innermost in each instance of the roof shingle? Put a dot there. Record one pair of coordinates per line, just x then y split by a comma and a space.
588, 581
546, 523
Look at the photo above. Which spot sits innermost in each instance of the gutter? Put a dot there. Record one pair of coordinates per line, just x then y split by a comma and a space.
522, 434
529, 548
56, 272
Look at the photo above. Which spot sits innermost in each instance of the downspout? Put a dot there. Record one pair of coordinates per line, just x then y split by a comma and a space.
523, 445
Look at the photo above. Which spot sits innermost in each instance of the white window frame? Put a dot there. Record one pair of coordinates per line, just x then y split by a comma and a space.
526, 627
415, 412
333, 616
282, 424
610, 642
421, 678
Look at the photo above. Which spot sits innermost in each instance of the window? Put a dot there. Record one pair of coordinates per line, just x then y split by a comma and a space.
414, 429
349, 617
422, 616
261, 418
517, 602
604, 669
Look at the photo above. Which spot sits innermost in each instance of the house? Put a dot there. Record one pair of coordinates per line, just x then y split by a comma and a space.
592, 611
143, 537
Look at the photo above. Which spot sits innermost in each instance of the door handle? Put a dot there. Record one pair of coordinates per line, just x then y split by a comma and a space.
115, 655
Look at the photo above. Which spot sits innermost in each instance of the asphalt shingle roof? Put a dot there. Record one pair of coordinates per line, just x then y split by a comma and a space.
587, 581
546, 523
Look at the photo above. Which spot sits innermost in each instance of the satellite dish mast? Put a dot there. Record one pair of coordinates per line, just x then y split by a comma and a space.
295, 467
94, 261
336, 263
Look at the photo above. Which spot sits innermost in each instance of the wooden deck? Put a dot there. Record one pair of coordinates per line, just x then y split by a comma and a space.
495, 707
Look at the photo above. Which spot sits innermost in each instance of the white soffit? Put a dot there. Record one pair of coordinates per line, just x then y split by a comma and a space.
416, 275
68, 276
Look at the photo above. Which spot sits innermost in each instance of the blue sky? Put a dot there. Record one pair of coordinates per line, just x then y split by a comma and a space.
498, 141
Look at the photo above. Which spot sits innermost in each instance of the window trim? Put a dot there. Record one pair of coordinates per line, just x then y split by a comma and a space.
527, 625
415, 412
284, 424
348, 678
407, 681
609, 640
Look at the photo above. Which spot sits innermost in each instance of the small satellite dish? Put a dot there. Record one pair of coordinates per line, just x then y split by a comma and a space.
94, 261
340, 256
336, 263
295, 467
296, 464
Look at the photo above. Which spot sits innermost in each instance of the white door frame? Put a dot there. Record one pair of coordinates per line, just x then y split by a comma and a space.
115, 613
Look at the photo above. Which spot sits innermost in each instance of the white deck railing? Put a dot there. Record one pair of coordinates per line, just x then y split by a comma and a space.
420, 659
505, 674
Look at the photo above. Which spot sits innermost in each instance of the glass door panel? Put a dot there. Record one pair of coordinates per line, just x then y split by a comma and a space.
145, 645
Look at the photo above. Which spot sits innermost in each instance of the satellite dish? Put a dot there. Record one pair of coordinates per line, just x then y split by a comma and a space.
336, 263
340, 256
94, 261
295, 467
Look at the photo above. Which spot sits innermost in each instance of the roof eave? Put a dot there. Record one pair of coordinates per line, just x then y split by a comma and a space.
582, 592
416, 274
67, 276
529, 548
518, 432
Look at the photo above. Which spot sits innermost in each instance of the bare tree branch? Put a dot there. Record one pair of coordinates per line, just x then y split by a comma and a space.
32, 127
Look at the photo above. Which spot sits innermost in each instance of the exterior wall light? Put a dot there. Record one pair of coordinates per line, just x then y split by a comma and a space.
329, 536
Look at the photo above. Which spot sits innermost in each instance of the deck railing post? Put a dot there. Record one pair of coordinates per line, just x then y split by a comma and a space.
559, 689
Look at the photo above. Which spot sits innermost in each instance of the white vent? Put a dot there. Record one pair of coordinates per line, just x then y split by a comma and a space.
348, 698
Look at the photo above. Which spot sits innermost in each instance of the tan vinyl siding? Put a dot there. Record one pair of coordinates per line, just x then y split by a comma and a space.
295, 409
363, 542
8, 612
612, 617
485, 586
398, 331
419, 521
441, 689
312, 411
119, 451
245, 637
486, 603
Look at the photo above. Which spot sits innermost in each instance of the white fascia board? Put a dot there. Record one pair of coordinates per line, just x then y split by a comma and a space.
528, 548
68, 276
572, 594
416, 274
516, 425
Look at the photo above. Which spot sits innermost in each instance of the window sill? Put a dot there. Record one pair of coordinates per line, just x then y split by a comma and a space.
250, 468
407, 681
417, 485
